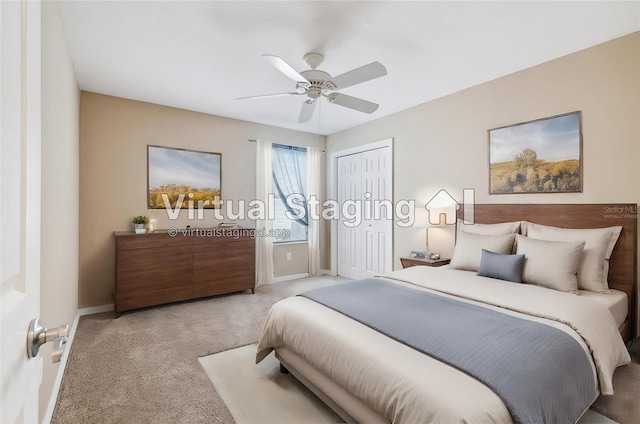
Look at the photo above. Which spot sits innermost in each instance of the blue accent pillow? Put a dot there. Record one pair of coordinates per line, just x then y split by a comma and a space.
500, 266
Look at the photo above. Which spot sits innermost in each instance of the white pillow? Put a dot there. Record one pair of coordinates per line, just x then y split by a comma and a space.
468, 250
599, 244
490, 229
552, 264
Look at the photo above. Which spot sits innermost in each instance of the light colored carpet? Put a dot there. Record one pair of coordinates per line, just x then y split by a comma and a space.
143, 367
260, 394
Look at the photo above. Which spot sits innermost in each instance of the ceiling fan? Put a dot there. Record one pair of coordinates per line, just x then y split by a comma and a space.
314, 83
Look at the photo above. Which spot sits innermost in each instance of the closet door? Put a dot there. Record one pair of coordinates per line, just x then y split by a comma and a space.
365, 179
349, 179
377, 224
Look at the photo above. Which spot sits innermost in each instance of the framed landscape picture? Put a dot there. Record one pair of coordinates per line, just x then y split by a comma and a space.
541, 156
182, 175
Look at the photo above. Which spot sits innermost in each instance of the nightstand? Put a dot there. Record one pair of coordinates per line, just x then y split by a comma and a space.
409, 262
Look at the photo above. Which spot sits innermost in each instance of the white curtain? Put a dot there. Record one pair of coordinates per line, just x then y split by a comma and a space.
314, 156
264, 183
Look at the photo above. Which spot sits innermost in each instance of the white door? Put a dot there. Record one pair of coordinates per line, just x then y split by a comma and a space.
378, 212
349, 234
20, 207
365, 178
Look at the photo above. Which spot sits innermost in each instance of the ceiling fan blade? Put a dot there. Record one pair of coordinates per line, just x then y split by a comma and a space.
284, 67
307, 111
356, 76
353, 102
264, 96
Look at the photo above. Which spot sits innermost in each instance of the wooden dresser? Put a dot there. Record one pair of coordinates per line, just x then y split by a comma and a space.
158, 268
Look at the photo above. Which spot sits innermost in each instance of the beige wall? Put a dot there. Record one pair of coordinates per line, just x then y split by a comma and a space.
114, 134
443, 143
298, 263
60, 134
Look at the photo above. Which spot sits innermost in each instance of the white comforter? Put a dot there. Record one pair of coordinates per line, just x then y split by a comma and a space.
404, 385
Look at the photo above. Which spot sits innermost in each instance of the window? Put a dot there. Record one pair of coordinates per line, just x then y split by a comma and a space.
290, 182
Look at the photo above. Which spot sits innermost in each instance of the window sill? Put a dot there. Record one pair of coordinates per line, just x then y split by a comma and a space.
282, 243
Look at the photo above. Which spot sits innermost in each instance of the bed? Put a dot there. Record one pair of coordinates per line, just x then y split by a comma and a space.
367, 376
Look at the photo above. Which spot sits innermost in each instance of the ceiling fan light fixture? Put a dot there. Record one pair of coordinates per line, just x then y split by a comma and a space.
315, 83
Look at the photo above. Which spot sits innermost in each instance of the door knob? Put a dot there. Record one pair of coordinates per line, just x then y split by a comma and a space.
38, 335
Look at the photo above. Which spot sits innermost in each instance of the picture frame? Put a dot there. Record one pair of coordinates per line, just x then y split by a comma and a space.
539, 156
176, 174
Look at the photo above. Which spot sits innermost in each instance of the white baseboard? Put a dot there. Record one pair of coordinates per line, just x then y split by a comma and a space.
303, 275
290, 277
65, 356
95, 310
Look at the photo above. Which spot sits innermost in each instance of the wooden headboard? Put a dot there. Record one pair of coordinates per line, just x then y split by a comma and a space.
623, 262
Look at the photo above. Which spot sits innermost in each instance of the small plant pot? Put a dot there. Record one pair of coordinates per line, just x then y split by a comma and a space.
140, 228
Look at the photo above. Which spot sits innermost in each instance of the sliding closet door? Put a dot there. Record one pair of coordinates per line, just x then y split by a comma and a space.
365, 179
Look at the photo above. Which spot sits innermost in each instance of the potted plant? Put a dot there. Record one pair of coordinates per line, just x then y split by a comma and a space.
140, 224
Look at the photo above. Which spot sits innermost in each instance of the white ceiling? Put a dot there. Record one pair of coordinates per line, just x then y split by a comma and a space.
202, 55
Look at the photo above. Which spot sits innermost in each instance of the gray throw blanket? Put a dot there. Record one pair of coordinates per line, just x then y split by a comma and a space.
541, 373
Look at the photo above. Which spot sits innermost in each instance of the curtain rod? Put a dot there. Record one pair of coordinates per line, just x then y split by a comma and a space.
253, 140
